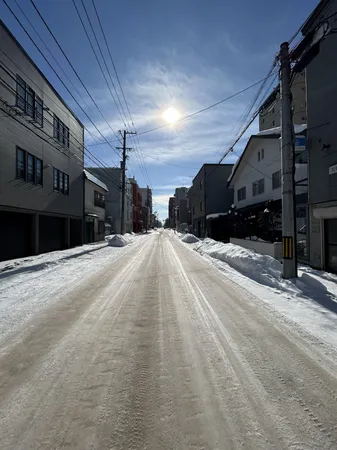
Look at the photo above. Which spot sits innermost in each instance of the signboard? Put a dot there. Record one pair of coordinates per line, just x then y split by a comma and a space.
300, 142
333, 169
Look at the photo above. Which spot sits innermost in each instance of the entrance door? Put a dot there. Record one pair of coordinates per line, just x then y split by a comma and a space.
331, 245
89, 232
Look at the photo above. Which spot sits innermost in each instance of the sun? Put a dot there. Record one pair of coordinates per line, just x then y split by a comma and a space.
171, 115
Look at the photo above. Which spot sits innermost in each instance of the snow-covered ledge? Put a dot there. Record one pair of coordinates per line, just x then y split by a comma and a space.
265, 248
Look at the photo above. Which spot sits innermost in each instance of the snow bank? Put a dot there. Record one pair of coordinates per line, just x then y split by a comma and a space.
266, 270
189, 238
262, 268
119, 241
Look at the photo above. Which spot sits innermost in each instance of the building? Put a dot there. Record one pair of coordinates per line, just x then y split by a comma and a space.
112, 178
321, 75
128, 207
181, 206
147, 207
270, 112
94, 194
137, 223
180, 194
41, 160
172, 212
256, 180
209, 194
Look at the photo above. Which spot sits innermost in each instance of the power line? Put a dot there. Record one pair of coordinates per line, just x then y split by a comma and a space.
204, 109
69, 62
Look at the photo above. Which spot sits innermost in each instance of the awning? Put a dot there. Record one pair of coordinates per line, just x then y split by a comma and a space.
91, 215
325, 213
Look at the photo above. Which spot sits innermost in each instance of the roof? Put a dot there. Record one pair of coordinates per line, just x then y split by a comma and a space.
40, 72
314, 15
89, 176
272, 133
208, 164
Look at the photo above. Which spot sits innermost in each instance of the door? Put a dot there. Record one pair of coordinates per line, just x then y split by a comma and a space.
331, 245
89, 231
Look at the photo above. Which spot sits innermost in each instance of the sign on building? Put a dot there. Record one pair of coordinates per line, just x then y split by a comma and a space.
300, 142
333, 169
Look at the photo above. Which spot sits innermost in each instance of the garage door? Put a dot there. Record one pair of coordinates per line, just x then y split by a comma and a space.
331, 245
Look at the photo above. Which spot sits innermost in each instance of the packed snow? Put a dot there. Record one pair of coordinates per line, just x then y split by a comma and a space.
119, 241
189, 238
310, 300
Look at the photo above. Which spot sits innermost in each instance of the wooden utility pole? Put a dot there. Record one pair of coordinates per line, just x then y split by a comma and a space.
124, 158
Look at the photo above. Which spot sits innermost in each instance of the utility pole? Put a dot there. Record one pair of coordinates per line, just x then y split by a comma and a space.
124, 157
288, 169
147, 208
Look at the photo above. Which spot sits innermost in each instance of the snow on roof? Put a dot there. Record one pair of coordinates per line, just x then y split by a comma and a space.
89, 176
277, 130
215, 215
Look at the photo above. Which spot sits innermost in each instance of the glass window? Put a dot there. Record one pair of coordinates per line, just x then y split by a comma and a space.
20, 164
30, 168
241, 193
30, 102
276, 179
20, 93
56, 179
65, 135
38, 110
61, 181
38, 171
66, 184
56, 131
258, 187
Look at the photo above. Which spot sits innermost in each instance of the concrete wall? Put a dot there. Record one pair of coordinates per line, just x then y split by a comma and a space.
321, 76
90, 207
270, 116
251, 169
112, 177
16, 193
265, 248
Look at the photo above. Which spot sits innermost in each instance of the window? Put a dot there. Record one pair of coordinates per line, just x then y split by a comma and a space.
262, 153
273, 123
30, 168
20, 93
61, 132
38, 110
276, 179
56, 174
258, 156
66, 184
28, 101
258, 187
30, 97
201, 205
61, 179
242, 194
193, 210
20, 164
99, 199
38, 171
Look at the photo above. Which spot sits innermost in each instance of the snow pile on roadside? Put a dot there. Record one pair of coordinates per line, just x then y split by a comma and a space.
262, 268
189, 238
119, 241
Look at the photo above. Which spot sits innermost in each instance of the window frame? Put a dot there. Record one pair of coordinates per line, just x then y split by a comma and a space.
57, 173
38, 114
257, 184
37, 181
66, 184
61, 132
30, 102
242, 194
20, 150
276, 176
28, 156
99, 199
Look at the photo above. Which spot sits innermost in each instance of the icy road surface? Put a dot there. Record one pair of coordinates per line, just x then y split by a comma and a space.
152, 348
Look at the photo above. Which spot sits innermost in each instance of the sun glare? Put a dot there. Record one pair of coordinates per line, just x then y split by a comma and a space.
171, 115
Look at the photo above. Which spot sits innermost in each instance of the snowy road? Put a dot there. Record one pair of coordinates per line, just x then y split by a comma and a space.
157, 350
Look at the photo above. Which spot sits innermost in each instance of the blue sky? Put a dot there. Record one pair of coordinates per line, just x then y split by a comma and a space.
185, 54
